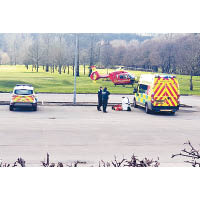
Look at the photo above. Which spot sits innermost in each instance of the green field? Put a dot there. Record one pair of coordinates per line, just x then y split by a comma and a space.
64, 83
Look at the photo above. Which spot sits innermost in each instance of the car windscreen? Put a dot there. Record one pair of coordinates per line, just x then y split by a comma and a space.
23, 92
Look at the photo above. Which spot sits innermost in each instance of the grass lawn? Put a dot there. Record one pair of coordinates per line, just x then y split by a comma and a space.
64, 83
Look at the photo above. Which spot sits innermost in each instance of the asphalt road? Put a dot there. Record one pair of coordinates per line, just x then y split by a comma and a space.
82, 133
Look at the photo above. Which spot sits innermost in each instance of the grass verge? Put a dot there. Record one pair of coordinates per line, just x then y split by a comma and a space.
64, 83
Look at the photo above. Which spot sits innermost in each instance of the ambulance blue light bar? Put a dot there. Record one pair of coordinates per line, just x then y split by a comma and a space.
24, 85
164, 76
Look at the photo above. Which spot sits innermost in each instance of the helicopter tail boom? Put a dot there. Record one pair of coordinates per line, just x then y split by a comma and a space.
95, 74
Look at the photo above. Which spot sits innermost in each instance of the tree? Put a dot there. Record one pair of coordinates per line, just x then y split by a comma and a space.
107, 54
167, 57
1, 52
26, 42
77, 67
60, 53
47, 54
188, 55
12, 44
129, 58
84, 57
36, 52
91, 53
5, 59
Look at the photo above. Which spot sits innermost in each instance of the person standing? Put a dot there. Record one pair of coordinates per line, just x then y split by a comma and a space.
105, 96
99, 99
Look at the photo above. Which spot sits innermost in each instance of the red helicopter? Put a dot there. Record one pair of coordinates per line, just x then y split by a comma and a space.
119, 77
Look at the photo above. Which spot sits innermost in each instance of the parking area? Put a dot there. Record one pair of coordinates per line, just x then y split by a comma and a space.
70, 133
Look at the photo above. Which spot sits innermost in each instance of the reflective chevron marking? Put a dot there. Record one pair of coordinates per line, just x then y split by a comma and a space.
23, 99
175, 91
167, 90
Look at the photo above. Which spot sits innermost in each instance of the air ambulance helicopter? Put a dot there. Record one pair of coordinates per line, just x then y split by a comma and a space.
118, 77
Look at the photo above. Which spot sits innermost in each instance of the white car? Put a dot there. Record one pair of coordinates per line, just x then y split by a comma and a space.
23, 95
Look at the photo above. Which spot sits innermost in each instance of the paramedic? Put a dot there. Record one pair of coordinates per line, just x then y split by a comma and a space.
105, 95
99, 99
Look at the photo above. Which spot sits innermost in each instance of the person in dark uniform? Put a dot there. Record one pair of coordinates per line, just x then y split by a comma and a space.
105, 95
99, 99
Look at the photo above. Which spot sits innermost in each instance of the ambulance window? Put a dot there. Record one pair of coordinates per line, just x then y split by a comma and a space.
121, 77
143, 88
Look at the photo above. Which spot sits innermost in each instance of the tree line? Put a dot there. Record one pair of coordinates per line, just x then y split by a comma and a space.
171, 53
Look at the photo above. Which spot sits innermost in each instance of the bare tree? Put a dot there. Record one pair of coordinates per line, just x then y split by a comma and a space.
5, 59
167, 57
91, 53
188, 55
60, 54
107, 55
12, 44
173, 53
191, 153
84, 58
36, 52
133, 162
77, 69
47, 54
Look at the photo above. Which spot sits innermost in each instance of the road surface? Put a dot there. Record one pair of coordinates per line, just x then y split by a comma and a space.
82, 133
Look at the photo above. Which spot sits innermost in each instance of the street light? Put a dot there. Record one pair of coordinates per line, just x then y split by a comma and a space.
76, 60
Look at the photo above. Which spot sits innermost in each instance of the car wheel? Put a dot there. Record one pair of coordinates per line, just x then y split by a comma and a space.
11, 108
34, 108
172, 112
134, 103
147, 108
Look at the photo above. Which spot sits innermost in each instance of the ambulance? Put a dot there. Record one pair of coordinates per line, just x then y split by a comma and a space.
23, 95
157, 93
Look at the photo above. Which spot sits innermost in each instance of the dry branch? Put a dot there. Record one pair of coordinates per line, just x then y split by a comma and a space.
133, 162
191, 153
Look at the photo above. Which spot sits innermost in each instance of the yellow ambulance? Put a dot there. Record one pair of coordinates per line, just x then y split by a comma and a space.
157, 93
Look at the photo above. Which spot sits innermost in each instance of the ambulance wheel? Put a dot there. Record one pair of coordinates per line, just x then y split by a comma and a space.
172, 113
11, 108
34, 108
134, 103
147, 109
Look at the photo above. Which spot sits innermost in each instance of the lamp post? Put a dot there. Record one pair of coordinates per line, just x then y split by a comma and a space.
76, 60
